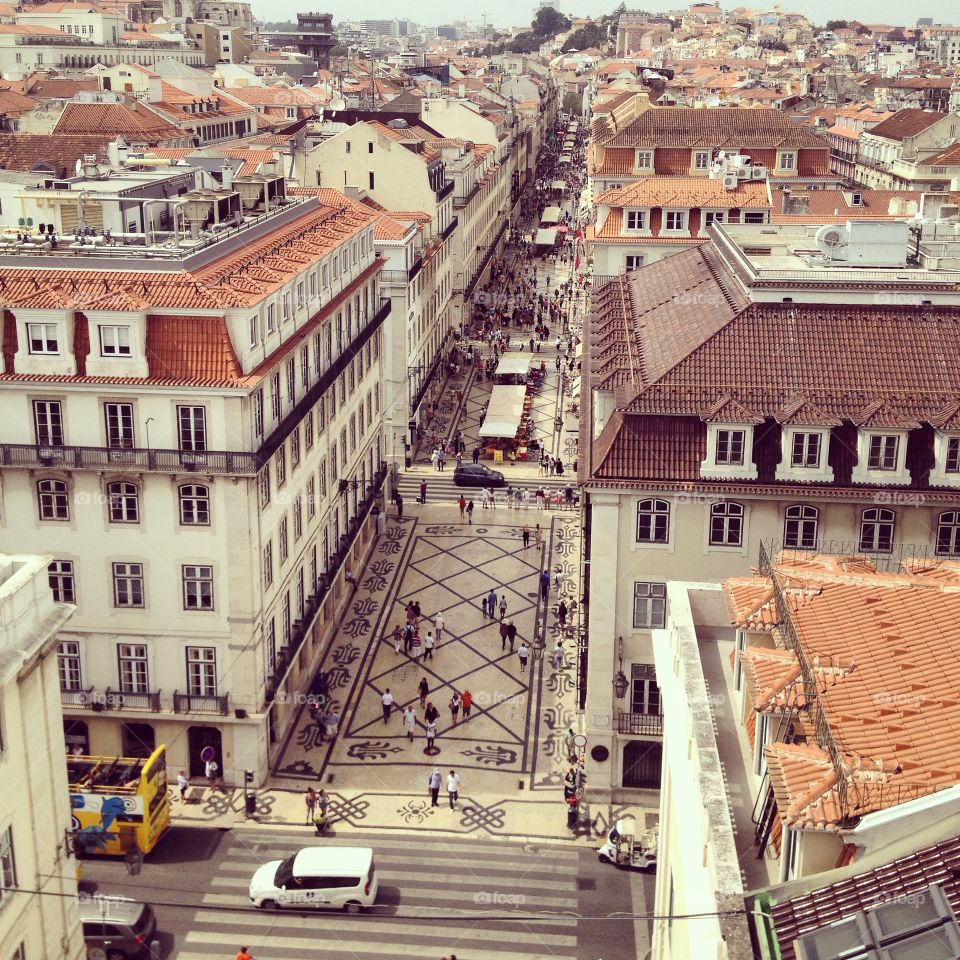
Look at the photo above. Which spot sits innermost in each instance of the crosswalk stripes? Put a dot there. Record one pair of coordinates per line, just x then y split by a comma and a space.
435, 896
442, 489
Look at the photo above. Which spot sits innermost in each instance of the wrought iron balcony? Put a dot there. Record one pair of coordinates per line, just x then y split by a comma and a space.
450, 227
77, 698
147, 702
640, 724
445, 190
200, 703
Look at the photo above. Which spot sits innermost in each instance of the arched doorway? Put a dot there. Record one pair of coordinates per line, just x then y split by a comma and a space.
199, 738
642, 763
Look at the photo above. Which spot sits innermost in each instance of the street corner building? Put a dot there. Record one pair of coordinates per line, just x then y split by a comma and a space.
193, 437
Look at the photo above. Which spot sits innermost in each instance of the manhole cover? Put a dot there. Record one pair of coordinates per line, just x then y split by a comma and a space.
586, 883
532, 593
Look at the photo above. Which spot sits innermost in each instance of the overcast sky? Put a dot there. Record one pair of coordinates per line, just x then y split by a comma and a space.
503, 13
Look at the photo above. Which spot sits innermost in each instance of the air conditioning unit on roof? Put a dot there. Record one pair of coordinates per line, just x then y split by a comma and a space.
730, 181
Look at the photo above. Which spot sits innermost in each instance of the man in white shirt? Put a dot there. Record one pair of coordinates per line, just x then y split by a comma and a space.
438, 624
387, 701
453, 788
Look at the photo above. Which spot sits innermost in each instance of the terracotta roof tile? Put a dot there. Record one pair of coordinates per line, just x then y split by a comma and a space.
58, 153
687, 192
906, 123
190, 349
112, 119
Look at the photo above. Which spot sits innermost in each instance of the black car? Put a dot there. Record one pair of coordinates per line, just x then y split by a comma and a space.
477, 475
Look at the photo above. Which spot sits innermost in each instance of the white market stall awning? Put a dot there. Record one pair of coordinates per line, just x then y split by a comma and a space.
546, 238
565, 158
552, 215
558, 185
513, 363
504, 412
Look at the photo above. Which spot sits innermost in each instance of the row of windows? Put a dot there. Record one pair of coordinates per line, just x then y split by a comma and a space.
133, 668
129, 579
679, 219
119, 425
801, 527
123, 502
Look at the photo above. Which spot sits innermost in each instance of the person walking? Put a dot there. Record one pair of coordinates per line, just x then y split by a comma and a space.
476, 454
525, 536
431, 714
408, 631
310, 802
386, 702
466, 699
438, 625
538, 536
332, 723
503, 605
562, 613
212, 771
399, 503
183, 785
453, 788
559, 662
424, 689
242, 954
462, 504
470, 512
454, 707
434, 781
440, 457
523, 652
430, 731
526, 499
504, 630
409, 722
483, 607
492, 603
544, 585
428, 645
423, 491
511, 633
397, 638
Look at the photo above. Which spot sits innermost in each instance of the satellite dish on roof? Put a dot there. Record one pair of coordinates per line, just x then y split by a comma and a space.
398, 124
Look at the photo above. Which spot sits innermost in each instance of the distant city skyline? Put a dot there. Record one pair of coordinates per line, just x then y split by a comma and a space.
508, 13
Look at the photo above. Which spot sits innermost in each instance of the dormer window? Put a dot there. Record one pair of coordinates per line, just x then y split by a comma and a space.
701, 160
883, 452
730, 447
114, 341
881, 458
805, 451
787, 160
674, 220
43, 338
644, 160
636, 220
804, 455
946, 459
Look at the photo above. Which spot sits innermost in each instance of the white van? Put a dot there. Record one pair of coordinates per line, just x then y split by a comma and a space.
334, 877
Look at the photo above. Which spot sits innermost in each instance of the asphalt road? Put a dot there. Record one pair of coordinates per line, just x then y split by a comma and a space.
480, 900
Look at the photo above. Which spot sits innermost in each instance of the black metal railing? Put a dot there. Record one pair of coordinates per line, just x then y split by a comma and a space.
200, 703
418, 395
122, 700
445, 190
449, 228
415, 268
299, 630
137, 458
468, 293
77, 698
640, 724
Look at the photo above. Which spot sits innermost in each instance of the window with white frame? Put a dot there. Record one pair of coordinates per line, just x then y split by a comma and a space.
653, 521
644, 160
283, 542
883, 452
254, 328
649, 606
644, 690
311, 497
945, 471
295, 448
805, 450
801, 526
132, 667
118, 425
197, 587
123, 502
275, 395
948, 533
53, 499
730, 447
876, 530
754, 216
305, 365
952, 460
8, 865
308, 431
263, 483
48, 423
280, 465
291, 380
128, 585
267, 564
258, 413
192, 427
634, 261
636, 219
68, 665
42, 338
297, 510
202, 671
270, 646
701, 159
114, 340
60, 576
285, 622
713, 216
194, 500
726, 524
674, 220
787, 160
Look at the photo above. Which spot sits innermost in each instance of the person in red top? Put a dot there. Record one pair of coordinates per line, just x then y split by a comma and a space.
243, 955
466, 701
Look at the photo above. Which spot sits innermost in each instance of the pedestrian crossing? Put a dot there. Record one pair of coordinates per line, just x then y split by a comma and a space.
442, 489
436, 896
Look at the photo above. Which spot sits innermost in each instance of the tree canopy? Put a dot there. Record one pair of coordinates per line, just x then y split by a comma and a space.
548, 23
836, 25
591, 35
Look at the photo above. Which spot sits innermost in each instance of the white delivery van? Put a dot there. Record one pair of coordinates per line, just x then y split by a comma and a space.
324, 877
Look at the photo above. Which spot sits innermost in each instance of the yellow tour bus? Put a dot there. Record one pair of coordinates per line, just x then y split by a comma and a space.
118, 804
